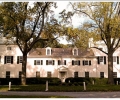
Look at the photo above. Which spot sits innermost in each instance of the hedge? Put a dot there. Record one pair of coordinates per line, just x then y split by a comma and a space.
17, 81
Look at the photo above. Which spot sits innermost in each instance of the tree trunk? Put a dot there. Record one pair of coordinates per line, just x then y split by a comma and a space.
24, 63
110, 68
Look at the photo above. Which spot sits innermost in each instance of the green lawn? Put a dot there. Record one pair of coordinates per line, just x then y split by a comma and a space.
63, 88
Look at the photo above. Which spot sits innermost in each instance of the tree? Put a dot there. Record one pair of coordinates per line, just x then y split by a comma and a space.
26, 23
78, 36
105, 22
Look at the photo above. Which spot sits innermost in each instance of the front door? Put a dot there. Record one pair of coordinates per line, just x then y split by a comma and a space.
62, 76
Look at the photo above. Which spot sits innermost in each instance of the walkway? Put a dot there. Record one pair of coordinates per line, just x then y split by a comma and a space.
71, 94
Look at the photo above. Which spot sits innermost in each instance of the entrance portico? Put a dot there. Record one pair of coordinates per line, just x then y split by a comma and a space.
63, 73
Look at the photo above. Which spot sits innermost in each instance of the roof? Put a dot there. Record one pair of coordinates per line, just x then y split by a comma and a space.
61, 52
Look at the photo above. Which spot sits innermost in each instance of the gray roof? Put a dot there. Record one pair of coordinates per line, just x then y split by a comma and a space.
61, 52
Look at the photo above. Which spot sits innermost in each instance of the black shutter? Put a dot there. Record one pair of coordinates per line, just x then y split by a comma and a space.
41, 62
117, 59
104, 59
64, 62
89, 62
78, 62
11, 59
72, 62
5, 60
53, 62
98, 60
58, 62
17, 59
34, 62
46, 62
83, 63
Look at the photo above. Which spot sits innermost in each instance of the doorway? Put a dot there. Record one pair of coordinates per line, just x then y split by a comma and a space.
62, 76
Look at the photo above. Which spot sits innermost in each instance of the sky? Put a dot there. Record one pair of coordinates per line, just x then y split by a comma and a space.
76, 21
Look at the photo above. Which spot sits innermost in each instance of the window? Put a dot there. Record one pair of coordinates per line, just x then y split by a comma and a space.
101, 74
48, 74
8, 59
48, 51
37, 74
116, 59
114, 74
87, 74
75, 62
7, 74
75, 74
101, 59
49, 62
61, 62
20, 74
9, 48
75, 52
38, 62
19, 59
86, 62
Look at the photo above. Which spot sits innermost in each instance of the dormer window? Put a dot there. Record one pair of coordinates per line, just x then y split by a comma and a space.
75, 51
48, 51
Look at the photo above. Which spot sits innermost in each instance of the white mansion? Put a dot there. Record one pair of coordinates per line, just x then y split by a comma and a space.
57, 62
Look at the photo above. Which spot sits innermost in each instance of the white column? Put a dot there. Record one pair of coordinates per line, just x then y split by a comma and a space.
46, 86
84, 85
9, 85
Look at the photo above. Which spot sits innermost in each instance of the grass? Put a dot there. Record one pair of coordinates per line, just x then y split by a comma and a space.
63, 88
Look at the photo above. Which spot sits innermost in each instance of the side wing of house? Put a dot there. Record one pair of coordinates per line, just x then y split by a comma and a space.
10, 61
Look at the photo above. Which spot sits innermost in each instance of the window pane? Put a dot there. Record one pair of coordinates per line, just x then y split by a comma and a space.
75, 74
101, 74
114, 74
114, 58
101, 58
20, 73
86, 62
87, 74
37, 74
75, 52
8, 48
7, 74
20, 59
8, 59
48, 52
37, 62
48, 74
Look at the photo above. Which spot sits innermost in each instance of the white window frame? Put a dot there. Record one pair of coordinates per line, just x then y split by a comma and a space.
75, 52
48, 51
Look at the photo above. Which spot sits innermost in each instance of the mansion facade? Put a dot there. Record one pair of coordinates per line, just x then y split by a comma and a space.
57, 62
